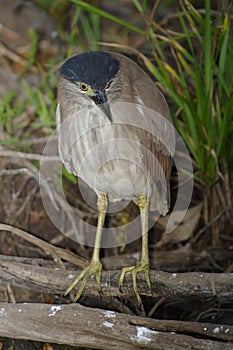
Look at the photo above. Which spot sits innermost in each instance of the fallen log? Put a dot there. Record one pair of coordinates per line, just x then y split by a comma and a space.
77, 325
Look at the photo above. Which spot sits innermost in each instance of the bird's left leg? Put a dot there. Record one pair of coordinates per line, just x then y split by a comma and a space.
95, 266
143, 265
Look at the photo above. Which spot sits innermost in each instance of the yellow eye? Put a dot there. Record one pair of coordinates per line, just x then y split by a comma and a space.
83, 87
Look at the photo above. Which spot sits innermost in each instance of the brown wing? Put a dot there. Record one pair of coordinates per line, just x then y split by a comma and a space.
160, 141
160, 170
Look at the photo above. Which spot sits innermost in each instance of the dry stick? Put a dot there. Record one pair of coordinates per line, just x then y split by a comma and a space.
8, 33
224, 332
210, 223
56, 252
4, 51
173, 16
156, 5
31, 156
13, 172
25, 204
156, 305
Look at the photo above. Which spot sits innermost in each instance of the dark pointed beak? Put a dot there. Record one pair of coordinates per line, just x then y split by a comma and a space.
100, 98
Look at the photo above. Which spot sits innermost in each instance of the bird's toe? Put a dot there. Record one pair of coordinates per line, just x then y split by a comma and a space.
94, 268
142, 266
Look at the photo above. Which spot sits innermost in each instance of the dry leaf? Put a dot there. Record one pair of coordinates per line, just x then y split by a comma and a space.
185, 229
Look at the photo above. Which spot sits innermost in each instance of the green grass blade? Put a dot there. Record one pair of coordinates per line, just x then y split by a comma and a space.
71, 37
91, 35
106, 15
226, 127
208, 48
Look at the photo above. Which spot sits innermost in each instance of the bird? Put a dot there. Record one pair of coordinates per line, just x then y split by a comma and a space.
115, 132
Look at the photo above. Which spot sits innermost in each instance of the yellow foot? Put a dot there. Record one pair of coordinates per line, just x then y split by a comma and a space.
142, 266
95, 267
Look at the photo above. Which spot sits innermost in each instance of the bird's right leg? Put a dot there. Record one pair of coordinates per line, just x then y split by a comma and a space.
143, 265
95, 266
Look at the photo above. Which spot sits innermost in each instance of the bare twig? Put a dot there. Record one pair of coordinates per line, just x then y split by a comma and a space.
173, 16
210, 223
156, 305
8, 33
10, 54
56, 252
31, 156
25, 204
13, 172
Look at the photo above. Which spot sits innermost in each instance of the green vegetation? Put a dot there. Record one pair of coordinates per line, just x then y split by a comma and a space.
200, 83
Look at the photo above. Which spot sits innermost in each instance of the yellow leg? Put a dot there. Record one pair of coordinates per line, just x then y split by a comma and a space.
144, 261
95, 266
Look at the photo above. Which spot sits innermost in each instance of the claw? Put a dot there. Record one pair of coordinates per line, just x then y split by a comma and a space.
95, 267
142, 266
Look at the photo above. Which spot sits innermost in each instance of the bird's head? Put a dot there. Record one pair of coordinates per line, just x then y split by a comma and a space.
93, 74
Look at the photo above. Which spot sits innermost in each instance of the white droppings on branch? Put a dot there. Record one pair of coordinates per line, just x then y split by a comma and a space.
108, 324
144, 335
55, 309
109, 314
216, 330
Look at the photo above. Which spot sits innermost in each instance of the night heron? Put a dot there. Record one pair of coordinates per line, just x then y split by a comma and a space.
118, 137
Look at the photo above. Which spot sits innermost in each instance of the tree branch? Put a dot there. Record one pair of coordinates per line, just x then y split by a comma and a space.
173, 287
